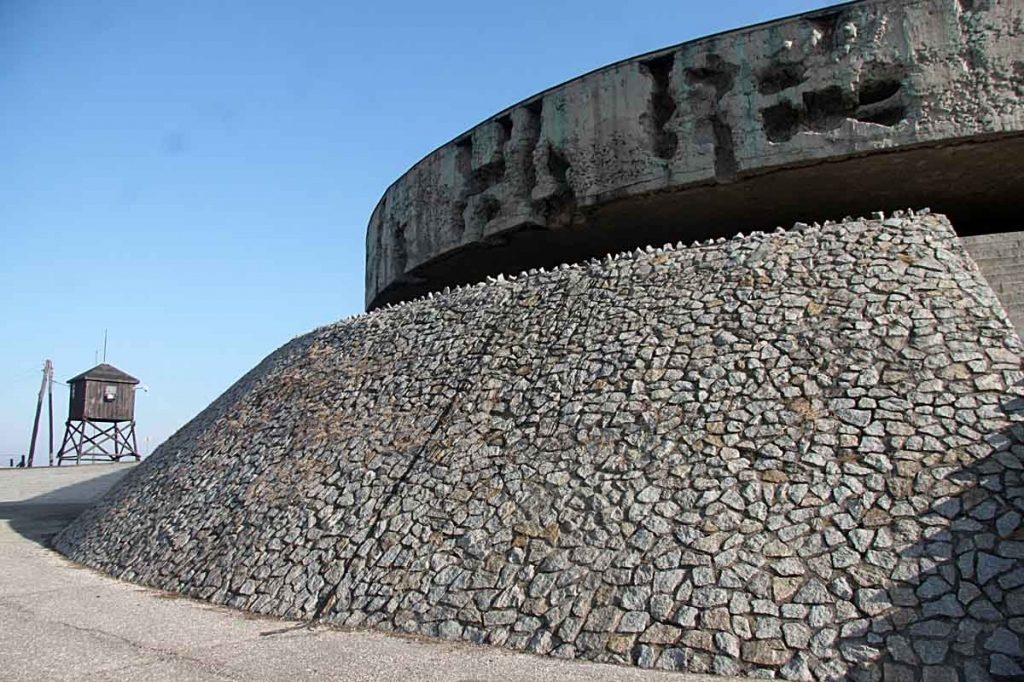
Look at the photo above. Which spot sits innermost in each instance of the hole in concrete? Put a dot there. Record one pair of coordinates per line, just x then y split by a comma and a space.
725, 152
878, 91
401, 249
464, 167
531, 133
717, 73
558, 167
826, 108
826, 25
488, 175
781, 121
720, 75
779, 77
490, 209
886, 116
662, 105
877, 101
506, 128
558, 209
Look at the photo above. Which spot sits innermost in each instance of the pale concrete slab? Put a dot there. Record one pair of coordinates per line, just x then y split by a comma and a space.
64, 622
80, 484
38, 502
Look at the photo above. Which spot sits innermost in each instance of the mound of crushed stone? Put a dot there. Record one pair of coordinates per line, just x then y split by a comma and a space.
797, 452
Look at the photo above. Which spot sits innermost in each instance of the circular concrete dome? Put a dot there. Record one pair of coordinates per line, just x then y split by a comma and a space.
846, 110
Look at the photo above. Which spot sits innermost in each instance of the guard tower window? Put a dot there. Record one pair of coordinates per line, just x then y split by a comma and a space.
109, 393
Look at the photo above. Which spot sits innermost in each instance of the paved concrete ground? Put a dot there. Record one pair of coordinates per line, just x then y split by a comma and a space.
59, 621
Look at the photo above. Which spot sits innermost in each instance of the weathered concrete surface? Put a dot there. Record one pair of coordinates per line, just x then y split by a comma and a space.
1001, 260
61, 622
794, 454
690, 142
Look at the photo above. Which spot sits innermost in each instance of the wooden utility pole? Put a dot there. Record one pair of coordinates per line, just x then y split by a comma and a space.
47, 383
49, 401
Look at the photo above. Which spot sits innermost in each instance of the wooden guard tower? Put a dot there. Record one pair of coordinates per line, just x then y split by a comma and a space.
101, 417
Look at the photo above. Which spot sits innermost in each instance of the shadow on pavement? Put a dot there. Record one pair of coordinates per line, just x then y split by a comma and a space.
41, 517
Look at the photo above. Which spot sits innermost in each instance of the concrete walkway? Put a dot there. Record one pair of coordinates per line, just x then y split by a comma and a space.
59, 621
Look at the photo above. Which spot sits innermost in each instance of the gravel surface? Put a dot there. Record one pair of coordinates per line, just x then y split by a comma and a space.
63, 622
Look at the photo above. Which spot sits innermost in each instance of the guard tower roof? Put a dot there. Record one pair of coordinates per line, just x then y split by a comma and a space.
105, 372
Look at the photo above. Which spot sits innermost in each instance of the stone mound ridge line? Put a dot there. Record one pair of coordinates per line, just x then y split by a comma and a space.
796, 455
640, 251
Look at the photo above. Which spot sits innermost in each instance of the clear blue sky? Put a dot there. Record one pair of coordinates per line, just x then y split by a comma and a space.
196, 177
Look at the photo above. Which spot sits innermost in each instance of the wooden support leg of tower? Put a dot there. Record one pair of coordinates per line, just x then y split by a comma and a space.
135, 443
64, 443
88, 441
115, 436
96, 440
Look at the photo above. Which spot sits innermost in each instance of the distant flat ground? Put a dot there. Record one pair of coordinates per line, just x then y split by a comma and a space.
64, 622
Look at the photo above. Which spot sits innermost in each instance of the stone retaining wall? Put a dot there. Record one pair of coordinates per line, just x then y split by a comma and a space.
795, 454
